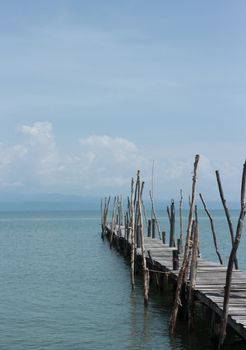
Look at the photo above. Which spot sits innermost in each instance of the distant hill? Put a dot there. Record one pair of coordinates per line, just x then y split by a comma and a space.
46, 201
57, 201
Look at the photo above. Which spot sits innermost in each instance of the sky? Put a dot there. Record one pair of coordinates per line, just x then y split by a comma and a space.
91, 91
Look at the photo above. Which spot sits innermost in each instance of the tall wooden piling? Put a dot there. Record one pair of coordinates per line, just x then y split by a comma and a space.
192, 277
102, 228
212, 229
163, 235
145, 270
153, 227
232, 260
149, 228
105, 214
175, 260
183, 269
180, 248
227, 214
172, 224
143, 206
154, 214
132, 235
138, 235
113, 222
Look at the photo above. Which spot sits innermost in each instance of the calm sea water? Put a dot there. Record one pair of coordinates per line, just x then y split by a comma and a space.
61, 287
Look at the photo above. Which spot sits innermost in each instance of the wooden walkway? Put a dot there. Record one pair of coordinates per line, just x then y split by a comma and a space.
210, 280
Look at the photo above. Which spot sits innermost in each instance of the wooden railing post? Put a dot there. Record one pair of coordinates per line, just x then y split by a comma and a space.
163, 237
153, 228
149, 228
175, 260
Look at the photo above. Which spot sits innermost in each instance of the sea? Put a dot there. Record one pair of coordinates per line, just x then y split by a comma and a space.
63, 288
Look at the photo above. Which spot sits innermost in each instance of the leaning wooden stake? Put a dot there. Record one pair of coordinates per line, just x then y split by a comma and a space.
154, 214
171, 215
103, 218
212, 229
232, 259
105, 215
106, 211
132, 235
222, 197
113, 214
193, 272
183, 269
120, 211
152, 187
180, 223
143, 206
145, 270
113, 222
196, 219
102, 228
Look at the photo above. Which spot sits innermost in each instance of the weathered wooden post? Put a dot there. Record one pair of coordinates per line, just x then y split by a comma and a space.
126, 236
163, 234
154, 214
196, 219
126, 226
179, 246
172, 225
227, 214
193, 272
113, 223
143, 206
132, 236
113, 215
212, 229
175, 259
105, 215
181, 223
232, 260
169, 218
122, 210
183, 269
102, 228
149, 228
145, 270
138, 235
153, 228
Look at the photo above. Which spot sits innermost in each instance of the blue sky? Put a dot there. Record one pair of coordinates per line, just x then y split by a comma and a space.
92, 90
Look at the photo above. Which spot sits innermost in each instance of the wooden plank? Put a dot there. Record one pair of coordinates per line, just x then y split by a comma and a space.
210, 282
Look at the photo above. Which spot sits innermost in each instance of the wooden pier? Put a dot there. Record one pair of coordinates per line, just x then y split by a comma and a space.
220, 289
210, 279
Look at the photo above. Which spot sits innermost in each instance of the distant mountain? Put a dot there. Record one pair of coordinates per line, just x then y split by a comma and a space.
57, 201
47, 201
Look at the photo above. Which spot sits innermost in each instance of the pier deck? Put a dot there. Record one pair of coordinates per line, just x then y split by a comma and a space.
210, 280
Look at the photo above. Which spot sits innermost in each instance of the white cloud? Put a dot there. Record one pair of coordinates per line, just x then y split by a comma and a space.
8, 155
103, 164
116, 148
111, 160
40, 133
99, 162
